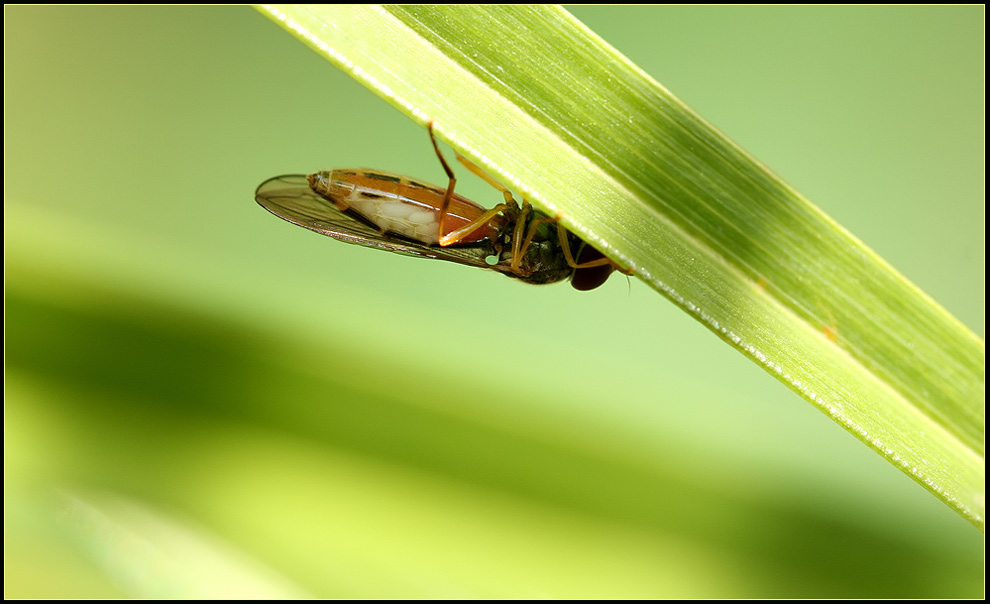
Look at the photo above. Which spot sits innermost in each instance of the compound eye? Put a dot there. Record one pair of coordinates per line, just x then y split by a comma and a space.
585, 279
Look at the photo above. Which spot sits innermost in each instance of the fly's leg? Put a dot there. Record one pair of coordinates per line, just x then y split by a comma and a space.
458, 235
451, 181
520, 243
566, 247
522, 237
477, 171
564, 244
455, 236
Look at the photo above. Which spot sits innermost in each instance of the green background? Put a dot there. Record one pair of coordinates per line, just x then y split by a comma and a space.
202, 400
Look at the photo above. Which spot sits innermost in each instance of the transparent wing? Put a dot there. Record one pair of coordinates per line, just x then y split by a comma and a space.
290, 198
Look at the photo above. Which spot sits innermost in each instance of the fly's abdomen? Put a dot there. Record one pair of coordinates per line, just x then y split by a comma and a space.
396, 204
376, 197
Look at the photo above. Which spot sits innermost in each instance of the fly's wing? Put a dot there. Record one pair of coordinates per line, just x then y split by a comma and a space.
290, 198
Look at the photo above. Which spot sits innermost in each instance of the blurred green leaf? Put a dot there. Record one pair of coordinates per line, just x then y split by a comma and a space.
550, 109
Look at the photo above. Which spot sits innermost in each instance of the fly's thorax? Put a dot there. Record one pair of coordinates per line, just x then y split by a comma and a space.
543, 261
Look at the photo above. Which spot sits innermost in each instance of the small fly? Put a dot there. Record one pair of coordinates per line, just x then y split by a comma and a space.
403, 215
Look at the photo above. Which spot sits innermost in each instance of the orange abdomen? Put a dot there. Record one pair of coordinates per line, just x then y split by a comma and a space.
402, 206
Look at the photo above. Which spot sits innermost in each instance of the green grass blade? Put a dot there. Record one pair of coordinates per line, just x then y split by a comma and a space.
553, 111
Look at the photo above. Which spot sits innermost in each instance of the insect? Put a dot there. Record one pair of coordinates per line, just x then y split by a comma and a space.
403, 215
